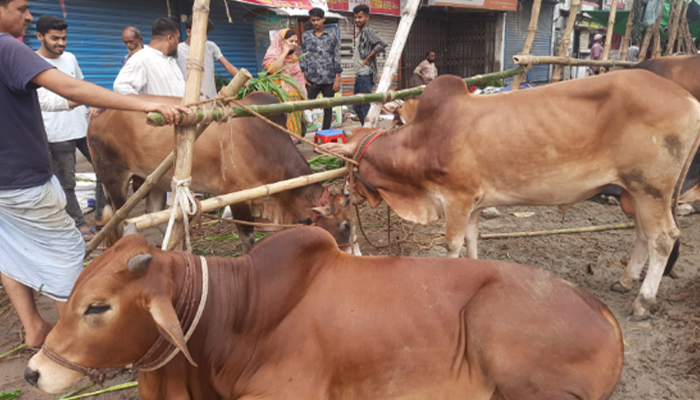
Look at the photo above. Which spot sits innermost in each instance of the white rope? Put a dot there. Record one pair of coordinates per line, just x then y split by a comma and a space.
183, 198
195, 322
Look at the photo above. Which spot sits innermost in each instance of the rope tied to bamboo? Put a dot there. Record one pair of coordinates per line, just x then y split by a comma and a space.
195, 65
183, 199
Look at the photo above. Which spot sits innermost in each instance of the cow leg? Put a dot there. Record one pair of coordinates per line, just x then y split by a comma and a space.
661, 233
156, 200
246, 233
472, 235
115, 186
637, 260
457, 224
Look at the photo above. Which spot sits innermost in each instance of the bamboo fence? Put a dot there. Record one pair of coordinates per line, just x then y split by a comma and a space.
529, 39
522, 59
608, 34
628, 34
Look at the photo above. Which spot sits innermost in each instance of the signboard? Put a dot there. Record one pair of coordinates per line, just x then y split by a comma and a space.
384, 7
499, 5
301, 4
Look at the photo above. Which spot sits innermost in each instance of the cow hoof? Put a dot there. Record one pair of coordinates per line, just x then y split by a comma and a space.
619, 288
685, 209
490, 213
640, 318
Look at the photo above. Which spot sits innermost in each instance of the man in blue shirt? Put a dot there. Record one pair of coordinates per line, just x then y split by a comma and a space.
40, 247
321, 65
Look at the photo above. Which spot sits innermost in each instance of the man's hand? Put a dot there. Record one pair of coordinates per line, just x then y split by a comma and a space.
365, 63
93, 112
171, 113
336, 86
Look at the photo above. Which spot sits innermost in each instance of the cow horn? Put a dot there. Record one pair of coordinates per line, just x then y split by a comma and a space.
138, 264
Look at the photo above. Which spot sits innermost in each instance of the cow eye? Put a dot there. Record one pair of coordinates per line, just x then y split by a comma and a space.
97, 309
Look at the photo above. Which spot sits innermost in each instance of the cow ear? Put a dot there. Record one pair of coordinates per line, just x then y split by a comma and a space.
344, 149
323, 211
163, 313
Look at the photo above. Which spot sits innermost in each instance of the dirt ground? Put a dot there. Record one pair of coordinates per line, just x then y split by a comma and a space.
662, 358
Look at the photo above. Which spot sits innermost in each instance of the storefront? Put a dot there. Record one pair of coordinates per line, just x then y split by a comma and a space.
95, 28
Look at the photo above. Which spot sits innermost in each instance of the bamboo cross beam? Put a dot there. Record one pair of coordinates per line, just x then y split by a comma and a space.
523, 59
214, 203
218, 114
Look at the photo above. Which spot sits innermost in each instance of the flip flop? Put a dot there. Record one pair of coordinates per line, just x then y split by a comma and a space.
88, 235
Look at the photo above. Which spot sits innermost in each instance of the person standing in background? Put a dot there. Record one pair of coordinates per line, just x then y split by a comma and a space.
427, 69
66, 130
212, 53
368, 44
132, 40
321, 65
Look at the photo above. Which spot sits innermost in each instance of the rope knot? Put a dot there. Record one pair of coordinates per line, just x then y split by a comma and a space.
184, 200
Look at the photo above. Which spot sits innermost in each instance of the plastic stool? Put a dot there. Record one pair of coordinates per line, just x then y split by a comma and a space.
328, 136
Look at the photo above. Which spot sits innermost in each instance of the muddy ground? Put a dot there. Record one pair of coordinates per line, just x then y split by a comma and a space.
662, 360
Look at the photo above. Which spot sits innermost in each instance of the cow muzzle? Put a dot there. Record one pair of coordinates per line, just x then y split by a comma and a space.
48, 376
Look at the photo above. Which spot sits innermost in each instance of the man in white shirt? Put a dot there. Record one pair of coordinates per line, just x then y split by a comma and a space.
66, 130
154, 69
427, 69
212, 53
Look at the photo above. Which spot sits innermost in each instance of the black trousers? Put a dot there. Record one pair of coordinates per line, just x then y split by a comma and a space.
327, 90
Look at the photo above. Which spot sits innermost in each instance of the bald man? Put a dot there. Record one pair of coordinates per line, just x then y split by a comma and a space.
133, 40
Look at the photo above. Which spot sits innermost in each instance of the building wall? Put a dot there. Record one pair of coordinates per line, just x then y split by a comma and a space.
517, 23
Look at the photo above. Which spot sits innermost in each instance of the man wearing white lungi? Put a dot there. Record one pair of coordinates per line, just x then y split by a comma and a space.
40, 247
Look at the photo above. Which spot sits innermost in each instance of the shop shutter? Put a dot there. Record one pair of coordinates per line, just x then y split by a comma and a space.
95, 27
516, 32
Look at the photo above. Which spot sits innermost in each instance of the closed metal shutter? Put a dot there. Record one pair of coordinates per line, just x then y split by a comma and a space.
95, 28
463, 42
384, 25
516, 32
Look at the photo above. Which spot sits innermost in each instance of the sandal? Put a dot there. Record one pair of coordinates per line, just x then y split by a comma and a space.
88, 234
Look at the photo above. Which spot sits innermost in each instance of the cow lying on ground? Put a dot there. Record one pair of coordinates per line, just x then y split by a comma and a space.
553, 145
228, 157
298, 319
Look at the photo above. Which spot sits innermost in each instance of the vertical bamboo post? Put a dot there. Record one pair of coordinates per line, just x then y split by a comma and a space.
608, 33
392, 63
184, 137
628, 35
529, 39
656, 48
682, 30
566, 37
647, 38
673, 27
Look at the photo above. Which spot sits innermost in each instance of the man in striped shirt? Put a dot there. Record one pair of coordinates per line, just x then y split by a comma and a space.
154, 69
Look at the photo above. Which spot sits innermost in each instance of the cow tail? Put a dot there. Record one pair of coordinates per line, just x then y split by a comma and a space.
675, 253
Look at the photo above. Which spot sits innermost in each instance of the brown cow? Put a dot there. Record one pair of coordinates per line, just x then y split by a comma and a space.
682, 70
553, 145
232, 156
298, 319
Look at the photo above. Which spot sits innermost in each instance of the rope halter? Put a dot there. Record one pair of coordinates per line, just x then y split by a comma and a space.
186, 312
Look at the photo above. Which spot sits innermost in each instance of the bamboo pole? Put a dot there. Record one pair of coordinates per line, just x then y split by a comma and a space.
628, 35
684, 30
238, 81
673, 27
608, 34
529, 39
234, 86
185, 135
214, 203
566, 37
523, 59
392, 63
656, 48
218, 114
644, 48
625, 225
